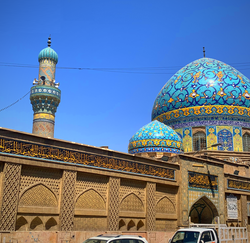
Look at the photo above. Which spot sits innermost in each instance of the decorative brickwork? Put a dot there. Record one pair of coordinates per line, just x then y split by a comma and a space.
150, 214
113, 207
164, 191
165, 205
51, 178
135, 187
39, 196
165, 225
90, 200
89, 223
68, 201
11, 183
1, 183
89, 181
132, 203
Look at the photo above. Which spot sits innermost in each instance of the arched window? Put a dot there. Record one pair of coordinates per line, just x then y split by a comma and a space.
246, 142
199, 141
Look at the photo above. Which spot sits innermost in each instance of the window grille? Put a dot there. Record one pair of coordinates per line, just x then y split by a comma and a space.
199, 141
246, 142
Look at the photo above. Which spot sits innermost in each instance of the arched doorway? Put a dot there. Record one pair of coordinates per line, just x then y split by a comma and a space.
203, 211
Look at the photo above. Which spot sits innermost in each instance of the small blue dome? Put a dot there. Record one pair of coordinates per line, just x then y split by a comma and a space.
48, 53
155, 137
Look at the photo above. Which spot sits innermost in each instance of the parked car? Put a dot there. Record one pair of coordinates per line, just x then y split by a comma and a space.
116, 239
195, 235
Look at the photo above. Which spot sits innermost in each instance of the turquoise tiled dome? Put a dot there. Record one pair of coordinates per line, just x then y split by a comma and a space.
203, 90
48, 53
155, 137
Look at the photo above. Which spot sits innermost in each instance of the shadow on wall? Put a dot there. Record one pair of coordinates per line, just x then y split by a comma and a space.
36, 224
131, 225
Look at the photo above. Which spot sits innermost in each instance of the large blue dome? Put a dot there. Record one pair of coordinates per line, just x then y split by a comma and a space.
204, 89
155, 137
48, 53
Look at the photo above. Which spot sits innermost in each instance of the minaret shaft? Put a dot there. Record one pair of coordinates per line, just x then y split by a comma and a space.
47, 68
43, 126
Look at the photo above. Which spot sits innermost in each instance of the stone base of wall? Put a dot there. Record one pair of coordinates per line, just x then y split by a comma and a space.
74, 236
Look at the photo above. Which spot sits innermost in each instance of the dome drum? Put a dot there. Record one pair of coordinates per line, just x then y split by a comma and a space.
156, 150
204, 116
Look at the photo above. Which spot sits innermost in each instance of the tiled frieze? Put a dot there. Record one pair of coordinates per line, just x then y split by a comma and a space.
33, 150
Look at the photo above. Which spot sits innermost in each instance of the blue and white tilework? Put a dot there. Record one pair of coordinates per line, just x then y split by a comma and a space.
155, 137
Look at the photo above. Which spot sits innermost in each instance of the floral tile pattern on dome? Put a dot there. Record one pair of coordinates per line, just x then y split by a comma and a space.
155, 137
204, 82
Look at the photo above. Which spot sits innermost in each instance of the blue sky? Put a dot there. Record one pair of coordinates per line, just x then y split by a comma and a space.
108, 107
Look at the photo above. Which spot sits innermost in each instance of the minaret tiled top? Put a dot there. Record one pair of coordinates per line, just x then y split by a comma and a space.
48, 53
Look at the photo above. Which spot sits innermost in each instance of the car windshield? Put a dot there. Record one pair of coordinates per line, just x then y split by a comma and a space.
95, 241
186, 237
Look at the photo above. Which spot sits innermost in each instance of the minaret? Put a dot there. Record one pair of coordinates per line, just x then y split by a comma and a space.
45, 95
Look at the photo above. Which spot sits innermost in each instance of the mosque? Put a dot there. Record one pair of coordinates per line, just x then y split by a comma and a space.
189, 164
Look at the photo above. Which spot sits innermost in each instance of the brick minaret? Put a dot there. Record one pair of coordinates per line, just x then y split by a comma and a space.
45, 95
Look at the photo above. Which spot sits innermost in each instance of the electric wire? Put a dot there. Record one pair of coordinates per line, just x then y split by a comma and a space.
14, 102
138, 70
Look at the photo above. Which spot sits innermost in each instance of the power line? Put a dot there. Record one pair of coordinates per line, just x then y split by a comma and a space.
14, 102
139, 70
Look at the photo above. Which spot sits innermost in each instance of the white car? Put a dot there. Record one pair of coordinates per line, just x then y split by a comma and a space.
195, 235
116, 239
